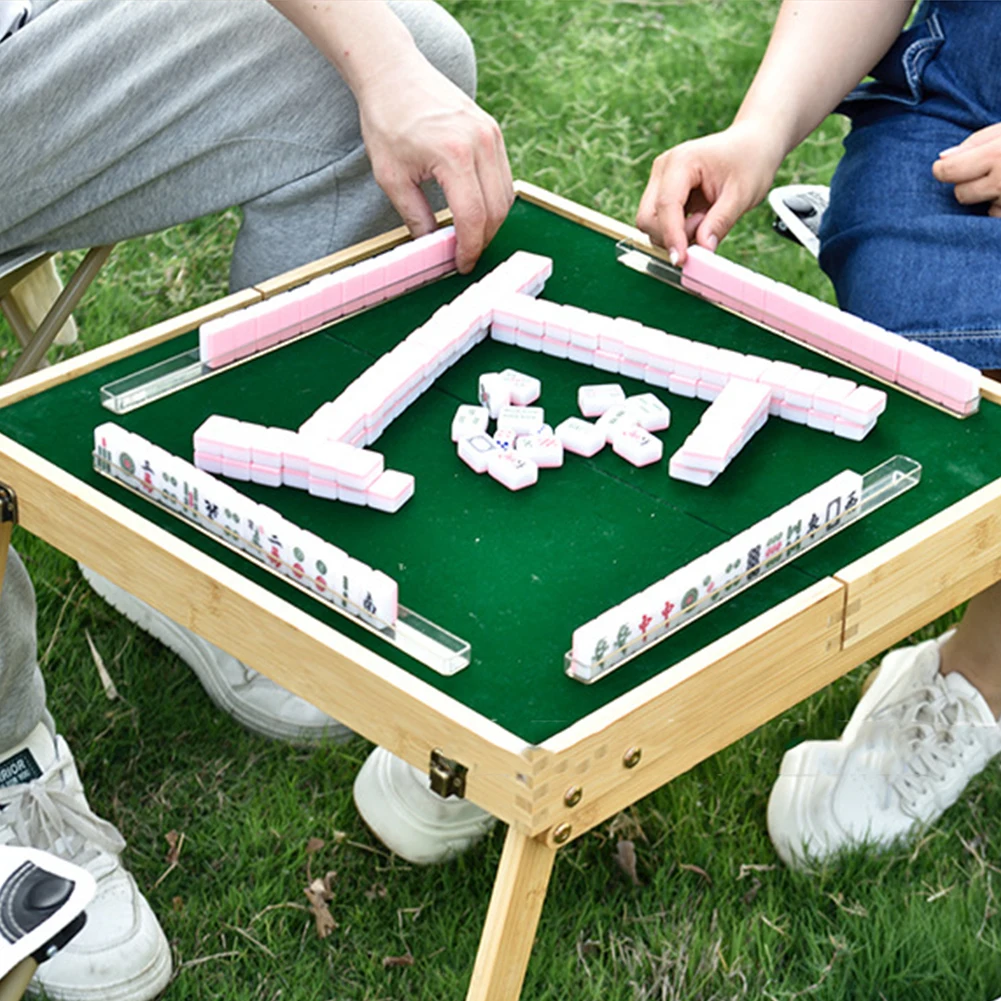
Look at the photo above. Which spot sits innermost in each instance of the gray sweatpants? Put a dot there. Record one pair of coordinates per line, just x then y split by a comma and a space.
123, 117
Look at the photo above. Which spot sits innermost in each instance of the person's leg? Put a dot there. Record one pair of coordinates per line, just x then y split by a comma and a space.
134, 115
903, 253
262, 120
122, 952
975, 650
22, 689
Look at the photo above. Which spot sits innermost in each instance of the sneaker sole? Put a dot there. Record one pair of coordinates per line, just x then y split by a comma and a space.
150, 984
179, 640
399, 828
787, 802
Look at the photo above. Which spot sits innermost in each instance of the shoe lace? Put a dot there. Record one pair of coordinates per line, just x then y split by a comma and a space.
934, 727
47, 813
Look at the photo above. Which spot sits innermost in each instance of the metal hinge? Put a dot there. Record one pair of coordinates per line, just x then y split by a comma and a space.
8, 504
448, 777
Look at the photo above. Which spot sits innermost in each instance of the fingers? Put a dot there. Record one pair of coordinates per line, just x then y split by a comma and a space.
977, 138
461, 185
410, 202
973, 167
494, 173
983, 189
476, 178
965, 165
692, 224
721, 218
662, 211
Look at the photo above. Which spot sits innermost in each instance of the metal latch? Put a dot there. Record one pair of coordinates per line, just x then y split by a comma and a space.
8, 504
448, 777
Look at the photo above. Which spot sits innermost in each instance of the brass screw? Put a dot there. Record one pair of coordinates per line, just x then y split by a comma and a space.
632, 757
573, 795
562, 833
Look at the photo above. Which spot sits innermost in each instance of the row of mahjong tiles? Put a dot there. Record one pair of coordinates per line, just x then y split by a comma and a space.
912, 365
316, 304
255, 529
893, 358
649, 615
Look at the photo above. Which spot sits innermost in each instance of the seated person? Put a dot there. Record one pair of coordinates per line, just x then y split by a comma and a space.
326, 122
911, 241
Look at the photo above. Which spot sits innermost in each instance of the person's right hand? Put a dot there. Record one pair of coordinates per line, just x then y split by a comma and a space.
697, 191
418, 125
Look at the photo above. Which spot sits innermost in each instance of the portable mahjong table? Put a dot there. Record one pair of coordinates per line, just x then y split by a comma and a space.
515, 573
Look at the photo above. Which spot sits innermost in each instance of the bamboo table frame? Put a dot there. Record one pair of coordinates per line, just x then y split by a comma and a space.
551, 793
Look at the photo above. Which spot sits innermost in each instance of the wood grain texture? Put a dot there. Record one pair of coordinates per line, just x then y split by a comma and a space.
687, 714
343, 678
924, 572
512, 918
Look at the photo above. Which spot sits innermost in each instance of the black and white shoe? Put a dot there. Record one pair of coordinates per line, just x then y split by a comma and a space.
799, 209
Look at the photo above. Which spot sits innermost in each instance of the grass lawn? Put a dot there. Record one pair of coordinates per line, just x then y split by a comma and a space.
587, 94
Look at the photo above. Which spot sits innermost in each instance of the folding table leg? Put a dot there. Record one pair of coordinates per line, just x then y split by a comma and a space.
513, 915
15, 983
61, 310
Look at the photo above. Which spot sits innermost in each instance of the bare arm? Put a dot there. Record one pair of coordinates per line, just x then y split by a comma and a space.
818, 51
416, 123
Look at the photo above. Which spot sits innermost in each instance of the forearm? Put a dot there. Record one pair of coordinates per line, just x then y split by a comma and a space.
819, 51
362, 38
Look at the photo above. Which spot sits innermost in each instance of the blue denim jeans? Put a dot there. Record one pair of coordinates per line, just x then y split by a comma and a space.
898, 247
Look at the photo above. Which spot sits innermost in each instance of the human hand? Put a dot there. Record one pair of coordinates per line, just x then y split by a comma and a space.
418, 125
697, 191
974, 167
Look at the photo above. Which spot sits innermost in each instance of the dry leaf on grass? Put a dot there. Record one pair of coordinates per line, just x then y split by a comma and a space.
390, 961
746, 868
625, 858
691, 867
319, 893
756, 885
102, 672
376, 892
175, 841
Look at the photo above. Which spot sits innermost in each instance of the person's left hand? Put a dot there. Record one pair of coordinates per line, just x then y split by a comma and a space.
974, 167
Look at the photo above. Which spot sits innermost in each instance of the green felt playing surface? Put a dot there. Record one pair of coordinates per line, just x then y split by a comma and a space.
515, 573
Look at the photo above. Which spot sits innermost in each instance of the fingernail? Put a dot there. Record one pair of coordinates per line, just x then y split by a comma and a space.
946, 152
673, 256
713, 242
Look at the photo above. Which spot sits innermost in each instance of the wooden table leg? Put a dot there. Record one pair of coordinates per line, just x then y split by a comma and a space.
513, 915
15, 982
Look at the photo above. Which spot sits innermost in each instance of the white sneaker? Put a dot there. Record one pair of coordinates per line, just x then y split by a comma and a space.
395, 800
122, 953
915, 740
250, 698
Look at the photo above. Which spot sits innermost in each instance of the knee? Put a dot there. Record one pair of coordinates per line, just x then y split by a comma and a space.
441, 39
